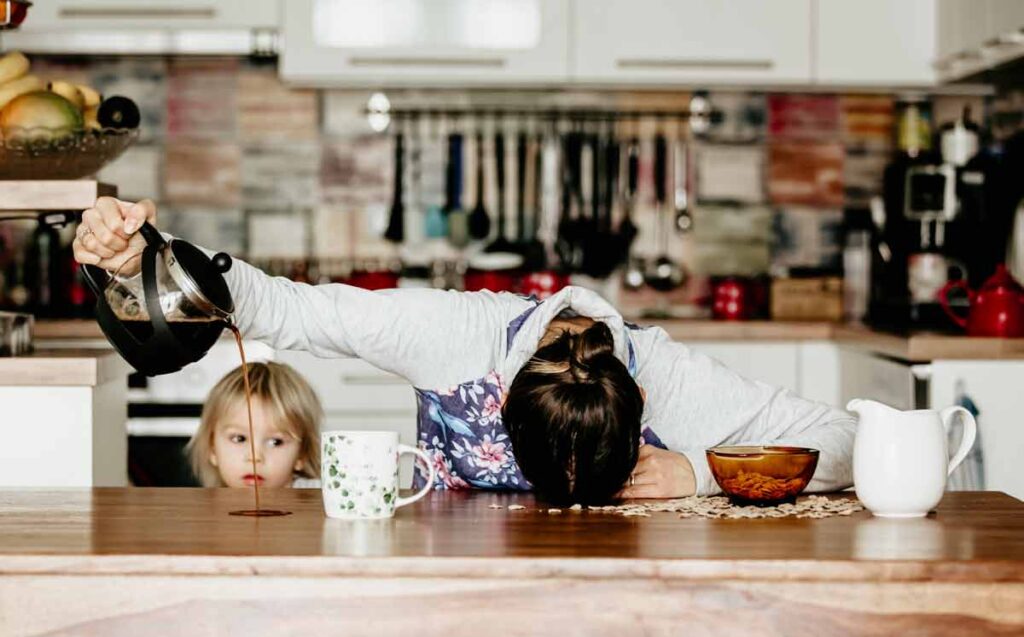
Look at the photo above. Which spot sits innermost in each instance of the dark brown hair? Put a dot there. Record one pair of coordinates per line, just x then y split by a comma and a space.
573, 417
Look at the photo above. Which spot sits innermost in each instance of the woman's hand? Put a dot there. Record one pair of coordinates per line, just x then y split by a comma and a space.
660, 474
108, 235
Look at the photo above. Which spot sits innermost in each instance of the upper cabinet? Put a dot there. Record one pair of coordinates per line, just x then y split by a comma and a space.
705, 42
976, 35
875, 42
436, 42
148, 26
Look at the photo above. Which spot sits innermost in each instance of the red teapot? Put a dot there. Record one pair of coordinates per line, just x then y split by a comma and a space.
997, 309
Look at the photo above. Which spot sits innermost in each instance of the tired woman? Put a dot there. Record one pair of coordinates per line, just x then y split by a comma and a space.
561, 395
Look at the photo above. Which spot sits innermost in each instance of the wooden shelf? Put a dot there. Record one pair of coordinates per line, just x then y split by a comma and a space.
42, 194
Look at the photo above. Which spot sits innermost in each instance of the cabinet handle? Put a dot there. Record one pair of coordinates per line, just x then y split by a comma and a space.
428, 62
180, 13
694, 63
356, 379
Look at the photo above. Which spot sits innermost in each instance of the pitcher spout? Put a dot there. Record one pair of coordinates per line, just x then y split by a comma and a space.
866, 407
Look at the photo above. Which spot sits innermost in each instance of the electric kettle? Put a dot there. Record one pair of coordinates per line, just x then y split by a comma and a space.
165, 306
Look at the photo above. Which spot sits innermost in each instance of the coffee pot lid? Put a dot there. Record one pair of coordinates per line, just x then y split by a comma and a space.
201, 278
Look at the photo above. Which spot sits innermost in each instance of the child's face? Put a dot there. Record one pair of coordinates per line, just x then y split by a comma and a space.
277, 451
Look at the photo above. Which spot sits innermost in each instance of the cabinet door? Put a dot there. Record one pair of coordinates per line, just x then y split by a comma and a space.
995, 388
773, 363
865, 375
83, 27
112, 15
353, 386
440, 42
692, 41
875, 42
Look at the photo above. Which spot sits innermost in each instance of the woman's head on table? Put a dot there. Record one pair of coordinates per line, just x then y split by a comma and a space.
573, 415
286, 417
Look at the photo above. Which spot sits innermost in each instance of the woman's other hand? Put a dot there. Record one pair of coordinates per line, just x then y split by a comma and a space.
108, 234
660, 474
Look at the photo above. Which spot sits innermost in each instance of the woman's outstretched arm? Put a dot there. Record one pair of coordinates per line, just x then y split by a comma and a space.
694, 402
430, 337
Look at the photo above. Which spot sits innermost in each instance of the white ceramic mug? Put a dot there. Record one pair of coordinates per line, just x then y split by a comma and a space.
900, 458
359, 474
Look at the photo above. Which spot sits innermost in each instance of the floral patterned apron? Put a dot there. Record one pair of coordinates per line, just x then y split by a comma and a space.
461, 430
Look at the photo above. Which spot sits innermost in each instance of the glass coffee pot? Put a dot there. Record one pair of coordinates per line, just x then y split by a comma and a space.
165, 306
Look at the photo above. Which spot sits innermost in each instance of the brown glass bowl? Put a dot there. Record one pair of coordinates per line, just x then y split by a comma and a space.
762, 476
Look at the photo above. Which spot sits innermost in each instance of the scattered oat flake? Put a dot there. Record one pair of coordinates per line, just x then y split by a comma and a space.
576, 507
495, 506
554, 511
516, 507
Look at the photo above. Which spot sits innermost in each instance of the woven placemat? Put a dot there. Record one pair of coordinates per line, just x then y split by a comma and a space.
717, 508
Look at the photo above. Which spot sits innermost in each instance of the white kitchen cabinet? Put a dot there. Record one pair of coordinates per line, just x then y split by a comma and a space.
436, 42
995, 388
875, 42
773, 363
702, 42
975, 35
357, 396
147, 26
866, 375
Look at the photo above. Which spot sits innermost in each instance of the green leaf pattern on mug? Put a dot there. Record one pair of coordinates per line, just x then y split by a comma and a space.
358, 490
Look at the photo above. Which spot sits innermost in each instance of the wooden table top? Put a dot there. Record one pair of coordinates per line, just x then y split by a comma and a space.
972, 537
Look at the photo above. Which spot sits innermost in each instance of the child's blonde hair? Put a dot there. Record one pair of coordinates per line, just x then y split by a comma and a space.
292, 401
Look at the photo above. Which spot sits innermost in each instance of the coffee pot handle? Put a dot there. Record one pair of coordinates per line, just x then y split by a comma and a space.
970, 433
151, 234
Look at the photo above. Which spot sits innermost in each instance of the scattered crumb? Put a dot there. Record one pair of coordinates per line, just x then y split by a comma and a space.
576, 507
495, 506
554, 511
516, 507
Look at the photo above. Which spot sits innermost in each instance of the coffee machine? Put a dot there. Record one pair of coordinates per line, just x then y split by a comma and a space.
926, 222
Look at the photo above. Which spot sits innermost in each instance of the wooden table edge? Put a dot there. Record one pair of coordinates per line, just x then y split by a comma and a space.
579, 568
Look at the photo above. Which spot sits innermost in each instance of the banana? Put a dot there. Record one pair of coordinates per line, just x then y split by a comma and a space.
20, 86
12, 66
91, 96
68, 91
89, 115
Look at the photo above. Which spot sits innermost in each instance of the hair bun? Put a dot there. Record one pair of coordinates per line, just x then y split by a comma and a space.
592, 343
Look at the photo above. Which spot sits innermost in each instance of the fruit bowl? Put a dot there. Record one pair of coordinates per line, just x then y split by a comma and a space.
46, 153
762, 476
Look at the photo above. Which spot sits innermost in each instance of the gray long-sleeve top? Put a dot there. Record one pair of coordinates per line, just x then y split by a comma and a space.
437, 339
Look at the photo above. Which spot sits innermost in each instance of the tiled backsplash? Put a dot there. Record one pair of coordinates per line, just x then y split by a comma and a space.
240, 162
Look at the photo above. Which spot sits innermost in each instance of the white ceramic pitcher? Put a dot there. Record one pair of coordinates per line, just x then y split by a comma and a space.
900, 458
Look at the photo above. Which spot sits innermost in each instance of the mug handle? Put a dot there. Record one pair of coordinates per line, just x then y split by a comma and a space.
970, 432
401, 502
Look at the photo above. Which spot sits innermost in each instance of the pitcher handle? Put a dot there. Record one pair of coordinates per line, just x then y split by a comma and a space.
970, 432
401, 502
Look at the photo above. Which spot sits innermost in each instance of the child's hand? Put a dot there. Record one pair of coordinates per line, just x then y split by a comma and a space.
660, 474
108, 235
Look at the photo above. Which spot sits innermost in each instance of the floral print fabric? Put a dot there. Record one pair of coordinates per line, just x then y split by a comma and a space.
461, 430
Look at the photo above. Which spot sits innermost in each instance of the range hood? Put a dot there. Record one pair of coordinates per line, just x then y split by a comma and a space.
147, 27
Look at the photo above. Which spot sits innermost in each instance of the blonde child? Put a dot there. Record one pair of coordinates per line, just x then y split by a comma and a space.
286, 418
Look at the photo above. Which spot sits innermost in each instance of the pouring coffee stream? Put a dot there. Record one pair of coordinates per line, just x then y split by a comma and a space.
164, 308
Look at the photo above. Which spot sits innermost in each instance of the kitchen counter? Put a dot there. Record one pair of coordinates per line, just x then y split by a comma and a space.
65, 410
62, 367
915, 347
451, 561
